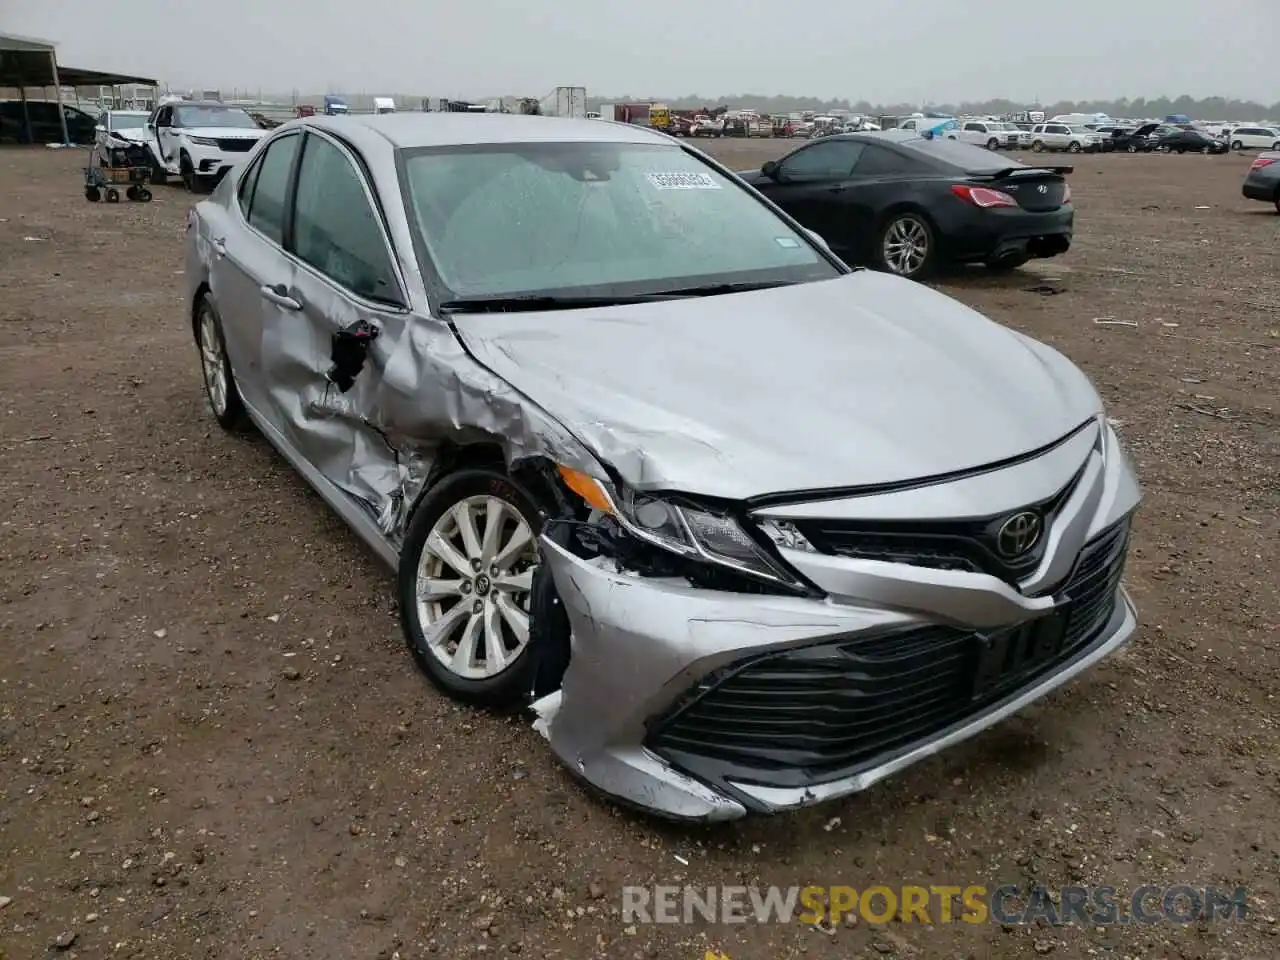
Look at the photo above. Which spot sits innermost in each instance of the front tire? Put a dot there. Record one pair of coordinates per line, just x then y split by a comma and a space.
907, 246
1237, 145
1037, 146
993, 144
465, 580
219, 385
1073, 147
189, 178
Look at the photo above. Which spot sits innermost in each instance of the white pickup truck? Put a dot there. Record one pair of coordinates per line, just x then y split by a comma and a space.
199, 141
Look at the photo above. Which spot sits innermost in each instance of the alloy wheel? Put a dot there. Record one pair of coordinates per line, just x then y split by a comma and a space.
472, 587
906, 245
213, 363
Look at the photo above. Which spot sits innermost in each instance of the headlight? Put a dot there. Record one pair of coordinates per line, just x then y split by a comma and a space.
684, 529
203, 141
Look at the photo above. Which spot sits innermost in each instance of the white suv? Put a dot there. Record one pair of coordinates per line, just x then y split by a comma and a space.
199, 141
1059, 136
1259, 138
991, 134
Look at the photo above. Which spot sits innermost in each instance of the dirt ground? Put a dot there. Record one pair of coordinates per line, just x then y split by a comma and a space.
213, 744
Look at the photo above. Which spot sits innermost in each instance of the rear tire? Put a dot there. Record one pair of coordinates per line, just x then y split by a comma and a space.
219, 384
900, 232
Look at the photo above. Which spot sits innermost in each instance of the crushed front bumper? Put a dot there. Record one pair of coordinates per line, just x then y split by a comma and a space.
708, 705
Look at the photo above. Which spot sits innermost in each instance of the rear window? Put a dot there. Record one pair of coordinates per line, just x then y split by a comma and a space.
968, 157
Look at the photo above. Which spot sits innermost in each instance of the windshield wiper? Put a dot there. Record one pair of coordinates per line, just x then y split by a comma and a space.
716, 289
537, 302
534, 302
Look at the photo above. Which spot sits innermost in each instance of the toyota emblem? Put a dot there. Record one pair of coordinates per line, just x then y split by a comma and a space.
1018, 534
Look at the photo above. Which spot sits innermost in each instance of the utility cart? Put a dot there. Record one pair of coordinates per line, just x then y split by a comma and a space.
128, 167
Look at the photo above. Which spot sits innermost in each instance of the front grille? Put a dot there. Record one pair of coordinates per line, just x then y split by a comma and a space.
968, 545
236, 144
828, 711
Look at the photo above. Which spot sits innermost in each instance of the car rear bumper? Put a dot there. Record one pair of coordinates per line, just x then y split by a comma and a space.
1256, 188
972, 234
700, 704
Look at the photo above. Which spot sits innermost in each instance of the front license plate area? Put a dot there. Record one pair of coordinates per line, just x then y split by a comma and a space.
1010, 655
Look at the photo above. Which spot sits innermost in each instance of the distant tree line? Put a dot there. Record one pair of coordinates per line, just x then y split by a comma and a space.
1208, 108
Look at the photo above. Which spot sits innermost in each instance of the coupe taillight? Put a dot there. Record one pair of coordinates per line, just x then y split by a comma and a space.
983, 197
1262, 162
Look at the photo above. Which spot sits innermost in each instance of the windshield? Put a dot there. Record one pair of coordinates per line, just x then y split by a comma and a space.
127, 121
593, 219
214, 116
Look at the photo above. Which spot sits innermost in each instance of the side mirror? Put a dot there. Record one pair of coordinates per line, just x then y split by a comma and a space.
770, 169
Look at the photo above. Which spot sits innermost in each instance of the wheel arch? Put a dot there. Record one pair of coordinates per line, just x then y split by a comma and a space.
201, 292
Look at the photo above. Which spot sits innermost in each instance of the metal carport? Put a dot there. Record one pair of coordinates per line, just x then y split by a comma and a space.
28, 62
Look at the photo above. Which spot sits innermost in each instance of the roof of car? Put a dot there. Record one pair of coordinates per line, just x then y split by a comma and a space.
204, 103
409, 130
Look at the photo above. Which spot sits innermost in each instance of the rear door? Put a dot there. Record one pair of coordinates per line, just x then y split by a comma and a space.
810, 184
326, 373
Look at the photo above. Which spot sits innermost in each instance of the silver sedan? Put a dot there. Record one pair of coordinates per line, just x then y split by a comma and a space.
747, 529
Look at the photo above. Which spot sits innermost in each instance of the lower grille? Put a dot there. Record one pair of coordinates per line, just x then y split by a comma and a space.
828, 711
236, 144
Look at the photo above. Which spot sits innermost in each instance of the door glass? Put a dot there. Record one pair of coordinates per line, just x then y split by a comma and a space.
832, 160
267, 210
335, 228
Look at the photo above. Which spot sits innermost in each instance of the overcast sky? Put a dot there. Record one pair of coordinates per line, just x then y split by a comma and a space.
911, 50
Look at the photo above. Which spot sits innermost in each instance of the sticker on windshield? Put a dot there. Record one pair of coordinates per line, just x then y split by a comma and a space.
683, 181
789, 242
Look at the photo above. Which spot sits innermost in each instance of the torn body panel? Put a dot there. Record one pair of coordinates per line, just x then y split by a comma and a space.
415, 391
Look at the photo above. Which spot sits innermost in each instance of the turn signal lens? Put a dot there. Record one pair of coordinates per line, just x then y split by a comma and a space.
588, 488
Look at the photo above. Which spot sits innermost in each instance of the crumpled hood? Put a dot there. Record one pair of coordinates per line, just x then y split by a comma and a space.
133, 134
862, 380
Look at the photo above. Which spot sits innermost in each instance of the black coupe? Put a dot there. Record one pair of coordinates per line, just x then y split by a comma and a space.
905, 203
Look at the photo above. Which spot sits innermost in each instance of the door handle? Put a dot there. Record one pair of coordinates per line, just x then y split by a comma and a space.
219, 247
279, 295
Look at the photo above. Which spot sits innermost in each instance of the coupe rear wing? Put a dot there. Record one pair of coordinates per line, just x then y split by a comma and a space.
1009, 172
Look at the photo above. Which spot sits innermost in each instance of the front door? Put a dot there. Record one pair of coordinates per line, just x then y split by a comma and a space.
166, 138
248, 258
326, 369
